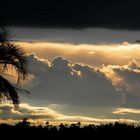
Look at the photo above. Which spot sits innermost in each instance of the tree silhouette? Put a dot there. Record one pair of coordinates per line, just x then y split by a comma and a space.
64, 132
24, 123
11, 58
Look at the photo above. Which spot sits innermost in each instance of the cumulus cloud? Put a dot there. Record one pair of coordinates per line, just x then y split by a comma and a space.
127, 79
78, 88
64, 82
61, 81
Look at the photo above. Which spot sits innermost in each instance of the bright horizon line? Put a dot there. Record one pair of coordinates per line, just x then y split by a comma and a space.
33, 116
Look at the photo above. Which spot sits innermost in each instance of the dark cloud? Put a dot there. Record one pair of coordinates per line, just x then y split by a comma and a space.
96, 13
129, 82
73, 36
73, 84
80, 89
63, 82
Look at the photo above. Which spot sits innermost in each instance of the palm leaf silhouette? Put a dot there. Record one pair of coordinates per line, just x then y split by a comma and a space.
11, 56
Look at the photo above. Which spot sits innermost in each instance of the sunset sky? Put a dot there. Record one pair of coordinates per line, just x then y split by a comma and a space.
89, 73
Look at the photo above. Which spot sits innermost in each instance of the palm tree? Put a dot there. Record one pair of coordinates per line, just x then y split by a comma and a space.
11, 57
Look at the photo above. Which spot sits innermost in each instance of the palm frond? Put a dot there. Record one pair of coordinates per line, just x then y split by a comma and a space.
11, 54
4, 35
9, 91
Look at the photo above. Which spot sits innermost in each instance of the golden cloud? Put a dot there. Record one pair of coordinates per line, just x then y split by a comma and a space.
118, 54
39, 115
124, 111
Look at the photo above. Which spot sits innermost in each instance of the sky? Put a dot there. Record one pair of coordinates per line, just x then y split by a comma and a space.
84, 61
73, 77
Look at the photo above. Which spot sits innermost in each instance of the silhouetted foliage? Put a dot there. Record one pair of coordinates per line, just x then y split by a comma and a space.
11, 57
73, 131
24, 123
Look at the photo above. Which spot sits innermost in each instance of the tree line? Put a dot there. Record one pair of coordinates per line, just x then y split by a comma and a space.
25, 130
